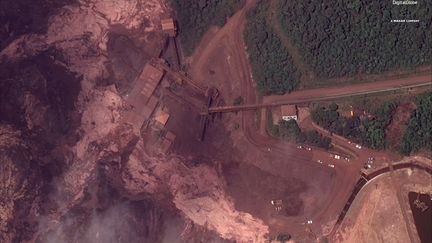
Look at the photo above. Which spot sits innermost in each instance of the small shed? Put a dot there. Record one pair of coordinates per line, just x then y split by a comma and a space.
289, 112
169, 27
162, 117
149, 80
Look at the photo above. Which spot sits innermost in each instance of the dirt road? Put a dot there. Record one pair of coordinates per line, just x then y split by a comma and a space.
302, 163
297, 58
349, 90
222, 61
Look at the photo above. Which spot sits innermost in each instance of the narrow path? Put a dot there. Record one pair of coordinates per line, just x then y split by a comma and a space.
351, 90
345, 177
297, 58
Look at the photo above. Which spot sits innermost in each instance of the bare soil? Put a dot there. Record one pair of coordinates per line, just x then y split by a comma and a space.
401, 118
262, 169
377, 215
184, 122
257, 168
254, 188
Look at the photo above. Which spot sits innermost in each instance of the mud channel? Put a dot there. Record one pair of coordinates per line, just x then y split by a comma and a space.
421, 207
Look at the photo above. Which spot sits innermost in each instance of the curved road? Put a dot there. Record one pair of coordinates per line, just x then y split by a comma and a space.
366, 178
231, 38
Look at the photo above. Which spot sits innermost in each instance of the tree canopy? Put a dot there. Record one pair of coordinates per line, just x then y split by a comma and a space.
419, 131
368, 131
273, 68
195, 18
290, 131
343, 38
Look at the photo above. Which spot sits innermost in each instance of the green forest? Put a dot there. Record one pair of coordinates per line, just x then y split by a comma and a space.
344, 38
368, 131
418, 134
290, 131
195, 17
272, 66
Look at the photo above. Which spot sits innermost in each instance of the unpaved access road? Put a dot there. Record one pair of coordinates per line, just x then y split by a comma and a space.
350, 90
222, 61
328, 197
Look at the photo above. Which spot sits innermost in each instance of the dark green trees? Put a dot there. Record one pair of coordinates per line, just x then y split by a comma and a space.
419, 131
375, 128
195, 18
343, 38
369, 131
272, 66
290, 131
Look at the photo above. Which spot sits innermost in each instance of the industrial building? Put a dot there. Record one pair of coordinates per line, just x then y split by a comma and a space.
169, 27
141, 100
289, 112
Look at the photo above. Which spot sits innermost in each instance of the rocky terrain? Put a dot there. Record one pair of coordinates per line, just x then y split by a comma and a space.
71, 171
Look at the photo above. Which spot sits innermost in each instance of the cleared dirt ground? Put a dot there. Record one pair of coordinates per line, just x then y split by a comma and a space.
377, 215
184, 121
260, 168
254, 175
400, 120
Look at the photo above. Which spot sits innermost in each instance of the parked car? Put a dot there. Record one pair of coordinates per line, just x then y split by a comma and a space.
331, 165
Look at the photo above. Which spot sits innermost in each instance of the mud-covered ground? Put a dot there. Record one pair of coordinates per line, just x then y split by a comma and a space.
41, 123
26, 16
37, 100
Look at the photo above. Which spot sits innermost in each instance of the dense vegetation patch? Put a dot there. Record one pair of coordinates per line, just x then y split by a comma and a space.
195, 18
419, 131
368, 131
290, 131
342, 37
272, 66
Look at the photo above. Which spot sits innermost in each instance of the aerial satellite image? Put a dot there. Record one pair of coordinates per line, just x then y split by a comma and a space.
215, 121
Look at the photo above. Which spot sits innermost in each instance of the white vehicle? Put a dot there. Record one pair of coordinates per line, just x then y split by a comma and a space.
308, 148
337, 156
299, 147
319, 161
358, 146
309, 222
330, 165
368, 166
